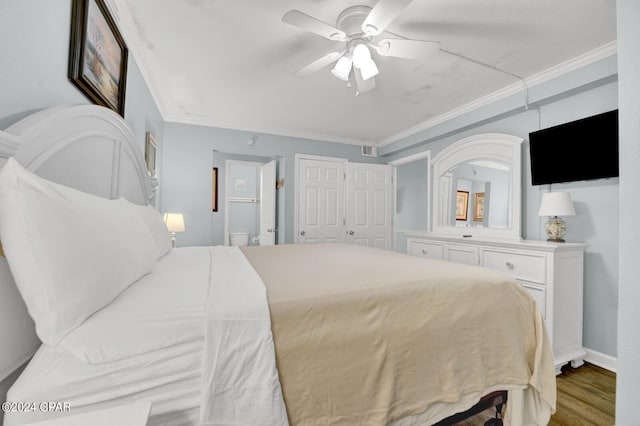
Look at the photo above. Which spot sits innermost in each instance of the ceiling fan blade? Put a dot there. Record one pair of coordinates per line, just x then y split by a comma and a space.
362, 85
382, 14
311, 24
410, 49
318, 64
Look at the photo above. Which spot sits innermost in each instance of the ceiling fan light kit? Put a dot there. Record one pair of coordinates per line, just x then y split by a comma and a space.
361, 55
369, 70
358, 26
342, 68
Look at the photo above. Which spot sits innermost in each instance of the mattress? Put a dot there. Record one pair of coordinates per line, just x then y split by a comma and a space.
362, 336
367, 336
105, 362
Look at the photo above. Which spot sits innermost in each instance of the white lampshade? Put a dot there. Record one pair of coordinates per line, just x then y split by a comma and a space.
174, 221
361, 56
368, 70
342, 68
556, 204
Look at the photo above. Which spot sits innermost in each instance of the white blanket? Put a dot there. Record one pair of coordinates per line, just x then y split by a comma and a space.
240, 381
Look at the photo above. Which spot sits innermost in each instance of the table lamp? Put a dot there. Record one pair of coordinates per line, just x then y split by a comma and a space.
175, 223
556, 204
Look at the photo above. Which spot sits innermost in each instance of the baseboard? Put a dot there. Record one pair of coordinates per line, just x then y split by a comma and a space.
602, 360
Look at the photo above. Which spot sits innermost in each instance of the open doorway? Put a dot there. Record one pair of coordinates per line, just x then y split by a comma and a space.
247, 212
250, 203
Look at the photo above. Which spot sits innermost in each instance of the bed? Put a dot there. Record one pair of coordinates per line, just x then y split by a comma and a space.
291, 334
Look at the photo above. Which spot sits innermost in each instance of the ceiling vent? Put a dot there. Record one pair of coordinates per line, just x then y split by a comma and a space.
369, 151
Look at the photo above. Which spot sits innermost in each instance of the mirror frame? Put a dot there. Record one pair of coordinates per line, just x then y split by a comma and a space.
498, 147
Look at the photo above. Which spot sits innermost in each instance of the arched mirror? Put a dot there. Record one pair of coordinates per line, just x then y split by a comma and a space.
477, 187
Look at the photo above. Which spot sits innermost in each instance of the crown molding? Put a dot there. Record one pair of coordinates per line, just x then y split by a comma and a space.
124, 19
574, 64
200, 120
563, 68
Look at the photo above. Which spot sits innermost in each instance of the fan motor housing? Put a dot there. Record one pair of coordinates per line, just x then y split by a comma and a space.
351, 19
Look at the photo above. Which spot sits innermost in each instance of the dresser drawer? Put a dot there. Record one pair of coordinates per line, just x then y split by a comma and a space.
462, 254
432, 250
524, 266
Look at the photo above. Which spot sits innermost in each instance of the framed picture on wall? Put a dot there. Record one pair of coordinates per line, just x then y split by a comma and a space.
214, 194
150, 150
462, 205
98, 55
478, 206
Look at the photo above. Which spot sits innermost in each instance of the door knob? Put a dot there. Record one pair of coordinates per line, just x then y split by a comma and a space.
351, 232
302, 233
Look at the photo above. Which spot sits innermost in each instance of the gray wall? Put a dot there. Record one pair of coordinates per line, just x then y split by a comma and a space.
411, 202
629, 314
34, 41
589, 91
186, 185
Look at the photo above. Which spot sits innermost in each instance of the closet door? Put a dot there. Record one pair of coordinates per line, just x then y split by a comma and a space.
320, 201
369, 205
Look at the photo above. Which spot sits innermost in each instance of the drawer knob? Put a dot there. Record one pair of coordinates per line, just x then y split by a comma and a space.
424, 251
509, 265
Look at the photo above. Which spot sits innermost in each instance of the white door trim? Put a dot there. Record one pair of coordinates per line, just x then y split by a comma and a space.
411, 158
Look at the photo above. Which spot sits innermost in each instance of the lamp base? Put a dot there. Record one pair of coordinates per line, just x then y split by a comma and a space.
556, 240
173, 239
556, 229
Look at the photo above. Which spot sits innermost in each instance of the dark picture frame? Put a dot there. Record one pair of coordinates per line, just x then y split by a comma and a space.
214, 190
462, 205
97, 55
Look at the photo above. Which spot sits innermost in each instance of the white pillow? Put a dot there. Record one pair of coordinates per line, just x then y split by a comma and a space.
157, 227
70, 253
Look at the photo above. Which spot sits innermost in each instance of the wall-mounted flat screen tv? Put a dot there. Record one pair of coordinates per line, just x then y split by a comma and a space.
580, 150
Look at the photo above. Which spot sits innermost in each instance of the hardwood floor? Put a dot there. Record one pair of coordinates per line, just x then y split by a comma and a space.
586, 396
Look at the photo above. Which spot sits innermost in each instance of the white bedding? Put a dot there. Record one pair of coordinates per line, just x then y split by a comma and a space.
154, 307
240, 381
169, 378
163, 367
104, 362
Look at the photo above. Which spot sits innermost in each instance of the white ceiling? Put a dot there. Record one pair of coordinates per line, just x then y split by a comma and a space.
229, 63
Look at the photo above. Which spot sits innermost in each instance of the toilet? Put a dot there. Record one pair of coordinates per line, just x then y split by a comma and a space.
239, 238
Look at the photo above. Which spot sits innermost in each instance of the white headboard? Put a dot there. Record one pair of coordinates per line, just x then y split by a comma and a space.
87, 147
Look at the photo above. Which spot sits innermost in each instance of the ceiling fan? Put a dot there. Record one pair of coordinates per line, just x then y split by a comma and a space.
361, 28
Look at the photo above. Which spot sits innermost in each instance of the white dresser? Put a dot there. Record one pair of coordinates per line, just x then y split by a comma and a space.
551, 272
